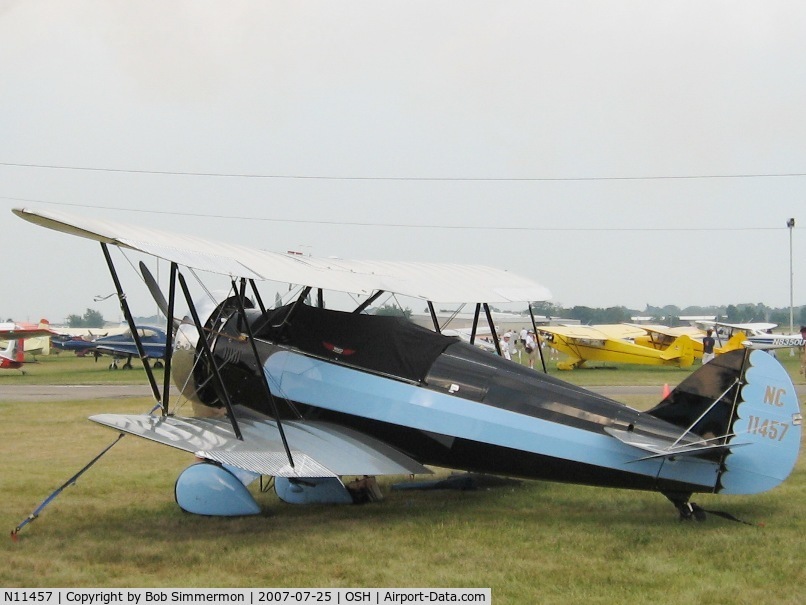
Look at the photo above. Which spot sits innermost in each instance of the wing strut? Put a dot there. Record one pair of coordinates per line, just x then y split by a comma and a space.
293, 311
169, 335
275, 407
209, 355
259, 300
130, 320
492, 329
475, 324
537, 339
434, 316
362, 307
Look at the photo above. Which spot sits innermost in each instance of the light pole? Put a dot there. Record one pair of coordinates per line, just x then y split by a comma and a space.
791, 224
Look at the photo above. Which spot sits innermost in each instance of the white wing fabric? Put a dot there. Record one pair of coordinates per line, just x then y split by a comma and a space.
437, 282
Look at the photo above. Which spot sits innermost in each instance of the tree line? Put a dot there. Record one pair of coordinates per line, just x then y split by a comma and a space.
671, 314
667, 315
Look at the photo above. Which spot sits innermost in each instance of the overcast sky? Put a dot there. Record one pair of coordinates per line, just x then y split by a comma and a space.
620, 153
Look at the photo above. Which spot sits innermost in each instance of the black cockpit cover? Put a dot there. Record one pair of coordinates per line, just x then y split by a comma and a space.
390, 345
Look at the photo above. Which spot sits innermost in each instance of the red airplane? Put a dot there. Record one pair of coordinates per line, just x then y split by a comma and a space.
16, 334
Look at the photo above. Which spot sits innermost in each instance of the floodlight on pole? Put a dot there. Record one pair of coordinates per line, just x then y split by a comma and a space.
791, 225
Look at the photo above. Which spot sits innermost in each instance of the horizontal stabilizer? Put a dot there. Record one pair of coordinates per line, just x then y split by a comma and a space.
318, 449
665, 448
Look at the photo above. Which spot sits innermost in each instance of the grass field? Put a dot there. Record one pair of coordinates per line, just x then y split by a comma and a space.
66, 368
532, 543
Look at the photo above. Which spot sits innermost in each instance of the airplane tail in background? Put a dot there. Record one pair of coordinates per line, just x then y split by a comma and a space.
734, 343
14, 354
745, 403
682, 349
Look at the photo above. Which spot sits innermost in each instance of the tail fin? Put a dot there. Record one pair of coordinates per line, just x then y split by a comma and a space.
15, 351
682, 350
18, 351
741, 398
733, 344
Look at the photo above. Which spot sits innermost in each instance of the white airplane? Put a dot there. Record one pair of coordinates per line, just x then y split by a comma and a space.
768, 341
758, 335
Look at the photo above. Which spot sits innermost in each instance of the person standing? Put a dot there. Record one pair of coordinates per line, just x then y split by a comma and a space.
708, 346
530, 346
506, 346
803, 351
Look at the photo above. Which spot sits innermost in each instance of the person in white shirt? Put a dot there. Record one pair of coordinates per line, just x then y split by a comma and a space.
506, 346
530, 346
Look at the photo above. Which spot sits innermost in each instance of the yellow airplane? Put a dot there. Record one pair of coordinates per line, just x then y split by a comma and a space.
615, 343
662, 337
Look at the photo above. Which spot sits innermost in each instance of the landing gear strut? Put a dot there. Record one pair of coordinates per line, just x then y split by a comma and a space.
688, 510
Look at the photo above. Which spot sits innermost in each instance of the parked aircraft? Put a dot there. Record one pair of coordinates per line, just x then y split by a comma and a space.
13, 356
769, 341
758, 335
123, 346
309, 395
118, 346
662, 337
615, 343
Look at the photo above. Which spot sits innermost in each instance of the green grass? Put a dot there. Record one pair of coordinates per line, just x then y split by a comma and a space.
68, 368
534, 543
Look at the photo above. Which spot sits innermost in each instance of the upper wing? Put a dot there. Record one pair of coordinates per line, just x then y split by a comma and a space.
438, 282
670, 332
12, 331
622, 331
755, 327
318, 449
599, 332
574, 332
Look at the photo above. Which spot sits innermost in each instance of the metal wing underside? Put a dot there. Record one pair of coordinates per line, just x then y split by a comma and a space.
438, 282
319, 449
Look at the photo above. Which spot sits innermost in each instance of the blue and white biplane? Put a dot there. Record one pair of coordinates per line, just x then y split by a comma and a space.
310, 395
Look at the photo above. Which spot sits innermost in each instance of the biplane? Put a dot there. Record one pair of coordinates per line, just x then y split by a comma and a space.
310, 395
617, 343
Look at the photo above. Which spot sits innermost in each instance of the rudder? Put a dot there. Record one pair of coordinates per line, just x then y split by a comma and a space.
767, 423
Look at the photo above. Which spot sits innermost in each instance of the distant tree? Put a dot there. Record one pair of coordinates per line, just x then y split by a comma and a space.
544, 307
394, 311
732, 314
585, 315
75, 321
93, 319
278, 300
614, 315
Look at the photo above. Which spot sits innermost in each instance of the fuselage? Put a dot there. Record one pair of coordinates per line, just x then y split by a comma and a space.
441, 401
